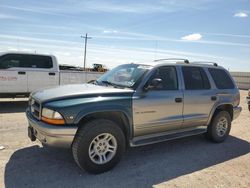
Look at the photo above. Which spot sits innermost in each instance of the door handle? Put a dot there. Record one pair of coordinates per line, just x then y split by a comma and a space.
178, 100
21, 72
213, 98
52, 74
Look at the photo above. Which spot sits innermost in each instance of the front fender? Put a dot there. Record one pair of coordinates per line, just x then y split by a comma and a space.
126, 115
107, 108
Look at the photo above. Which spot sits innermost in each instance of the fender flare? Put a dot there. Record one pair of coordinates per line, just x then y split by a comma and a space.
112, 108
214, 109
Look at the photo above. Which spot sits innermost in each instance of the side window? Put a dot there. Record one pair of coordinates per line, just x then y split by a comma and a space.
11, 60
25, 61
44, 62
168, 76
195, 78
221, 79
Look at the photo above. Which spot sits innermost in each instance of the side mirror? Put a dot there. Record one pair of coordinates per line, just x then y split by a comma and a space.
156, 82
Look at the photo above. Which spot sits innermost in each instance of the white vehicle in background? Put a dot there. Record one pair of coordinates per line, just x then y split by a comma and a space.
23, 73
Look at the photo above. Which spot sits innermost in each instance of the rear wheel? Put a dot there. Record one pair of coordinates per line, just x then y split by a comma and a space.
98, 146
219, 128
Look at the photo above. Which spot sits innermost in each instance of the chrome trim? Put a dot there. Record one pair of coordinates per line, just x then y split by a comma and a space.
35, 108
248, 99
236, 112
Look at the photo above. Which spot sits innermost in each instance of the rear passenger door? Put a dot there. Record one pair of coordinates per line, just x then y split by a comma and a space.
198, 96
41, 73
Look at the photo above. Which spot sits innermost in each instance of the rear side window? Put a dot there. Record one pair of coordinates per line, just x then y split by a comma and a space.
195, 78
44, 62
221, 79
25, 61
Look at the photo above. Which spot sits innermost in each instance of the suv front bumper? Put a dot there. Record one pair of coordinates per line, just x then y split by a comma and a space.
236, 112
52, 135
248, 100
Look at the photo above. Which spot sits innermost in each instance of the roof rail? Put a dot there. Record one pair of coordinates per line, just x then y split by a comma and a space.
206, 62
169, 59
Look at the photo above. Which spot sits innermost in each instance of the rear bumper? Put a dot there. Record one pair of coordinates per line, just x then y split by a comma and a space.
248, 100
236, 112
52, 135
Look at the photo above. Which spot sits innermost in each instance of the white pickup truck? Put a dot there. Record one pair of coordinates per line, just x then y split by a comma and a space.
23, 73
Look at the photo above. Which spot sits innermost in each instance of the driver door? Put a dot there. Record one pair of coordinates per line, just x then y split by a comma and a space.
160, 108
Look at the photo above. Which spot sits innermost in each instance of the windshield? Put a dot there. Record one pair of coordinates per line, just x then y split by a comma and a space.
124, 75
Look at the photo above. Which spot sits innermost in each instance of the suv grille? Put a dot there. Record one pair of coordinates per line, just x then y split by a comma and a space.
35, 108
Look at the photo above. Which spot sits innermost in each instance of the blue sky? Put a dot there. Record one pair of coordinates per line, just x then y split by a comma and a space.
129, 31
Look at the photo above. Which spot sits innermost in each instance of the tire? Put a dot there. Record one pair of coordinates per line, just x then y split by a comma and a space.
98, 146
220, 126
249, 107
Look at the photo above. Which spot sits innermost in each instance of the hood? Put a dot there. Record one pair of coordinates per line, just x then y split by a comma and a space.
68, 91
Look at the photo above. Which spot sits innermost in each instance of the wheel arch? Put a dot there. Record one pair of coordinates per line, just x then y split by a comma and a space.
221, 107
121, 118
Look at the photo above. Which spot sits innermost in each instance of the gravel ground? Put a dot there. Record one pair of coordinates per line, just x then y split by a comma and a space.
188, 162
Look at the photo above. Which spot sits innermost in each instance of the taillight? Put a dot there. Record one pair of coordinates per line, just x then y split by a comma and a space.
237, 100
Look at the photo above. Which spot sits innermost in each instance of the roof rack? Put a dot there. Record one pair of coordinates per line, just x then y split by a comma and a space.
188, 62
169, 59
206, 62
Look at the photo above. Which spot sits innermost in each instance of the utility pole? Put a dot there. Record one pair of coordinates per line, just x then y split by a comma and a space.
85, 49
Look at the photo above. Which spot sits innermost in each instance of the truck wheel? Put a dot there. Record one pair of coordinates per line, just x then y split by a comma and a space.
219, 128
98, 146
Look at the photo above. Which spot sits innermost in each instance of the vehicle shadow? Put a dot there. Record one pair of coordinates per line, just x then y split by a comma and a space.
141, 167
13, 106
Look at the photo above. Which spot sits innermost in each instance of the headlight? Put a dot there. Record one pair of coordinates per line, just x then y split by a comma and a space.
52, 117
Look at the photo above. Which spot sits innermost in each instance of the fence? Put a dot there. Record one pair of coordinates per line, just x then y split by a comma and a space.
242, 79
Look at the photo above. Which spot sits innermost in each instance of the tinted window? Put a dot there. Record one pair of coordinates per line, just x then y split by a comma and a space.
11, 60
25, 61
221, 79
195, 78
40, 62
168, 76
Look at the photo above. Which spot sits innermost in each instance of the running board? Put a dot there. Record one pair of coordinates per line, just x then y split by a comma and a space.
143, 140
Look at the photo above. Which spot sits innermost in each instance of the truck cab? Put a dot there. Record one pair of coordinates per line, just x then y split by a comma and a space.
22, 73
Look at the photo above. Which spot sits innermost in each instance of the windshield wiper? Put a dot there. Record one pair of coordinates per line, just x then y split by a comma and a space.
108, 83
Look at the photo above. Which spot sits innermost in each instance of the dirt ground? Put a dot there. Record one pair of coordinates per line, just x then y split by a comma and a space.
188, 162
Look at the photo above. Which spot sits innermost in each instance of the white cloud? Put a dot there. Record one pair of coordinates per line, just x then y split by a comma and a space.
241, 14
192, 37
141, 7
7, 16
110, 31
35, 9
72, 52
72, 7
227, 35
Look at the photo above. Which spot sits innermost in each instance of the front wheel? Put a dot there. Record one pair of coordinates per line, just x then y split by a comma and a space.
98, 146
219, 128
